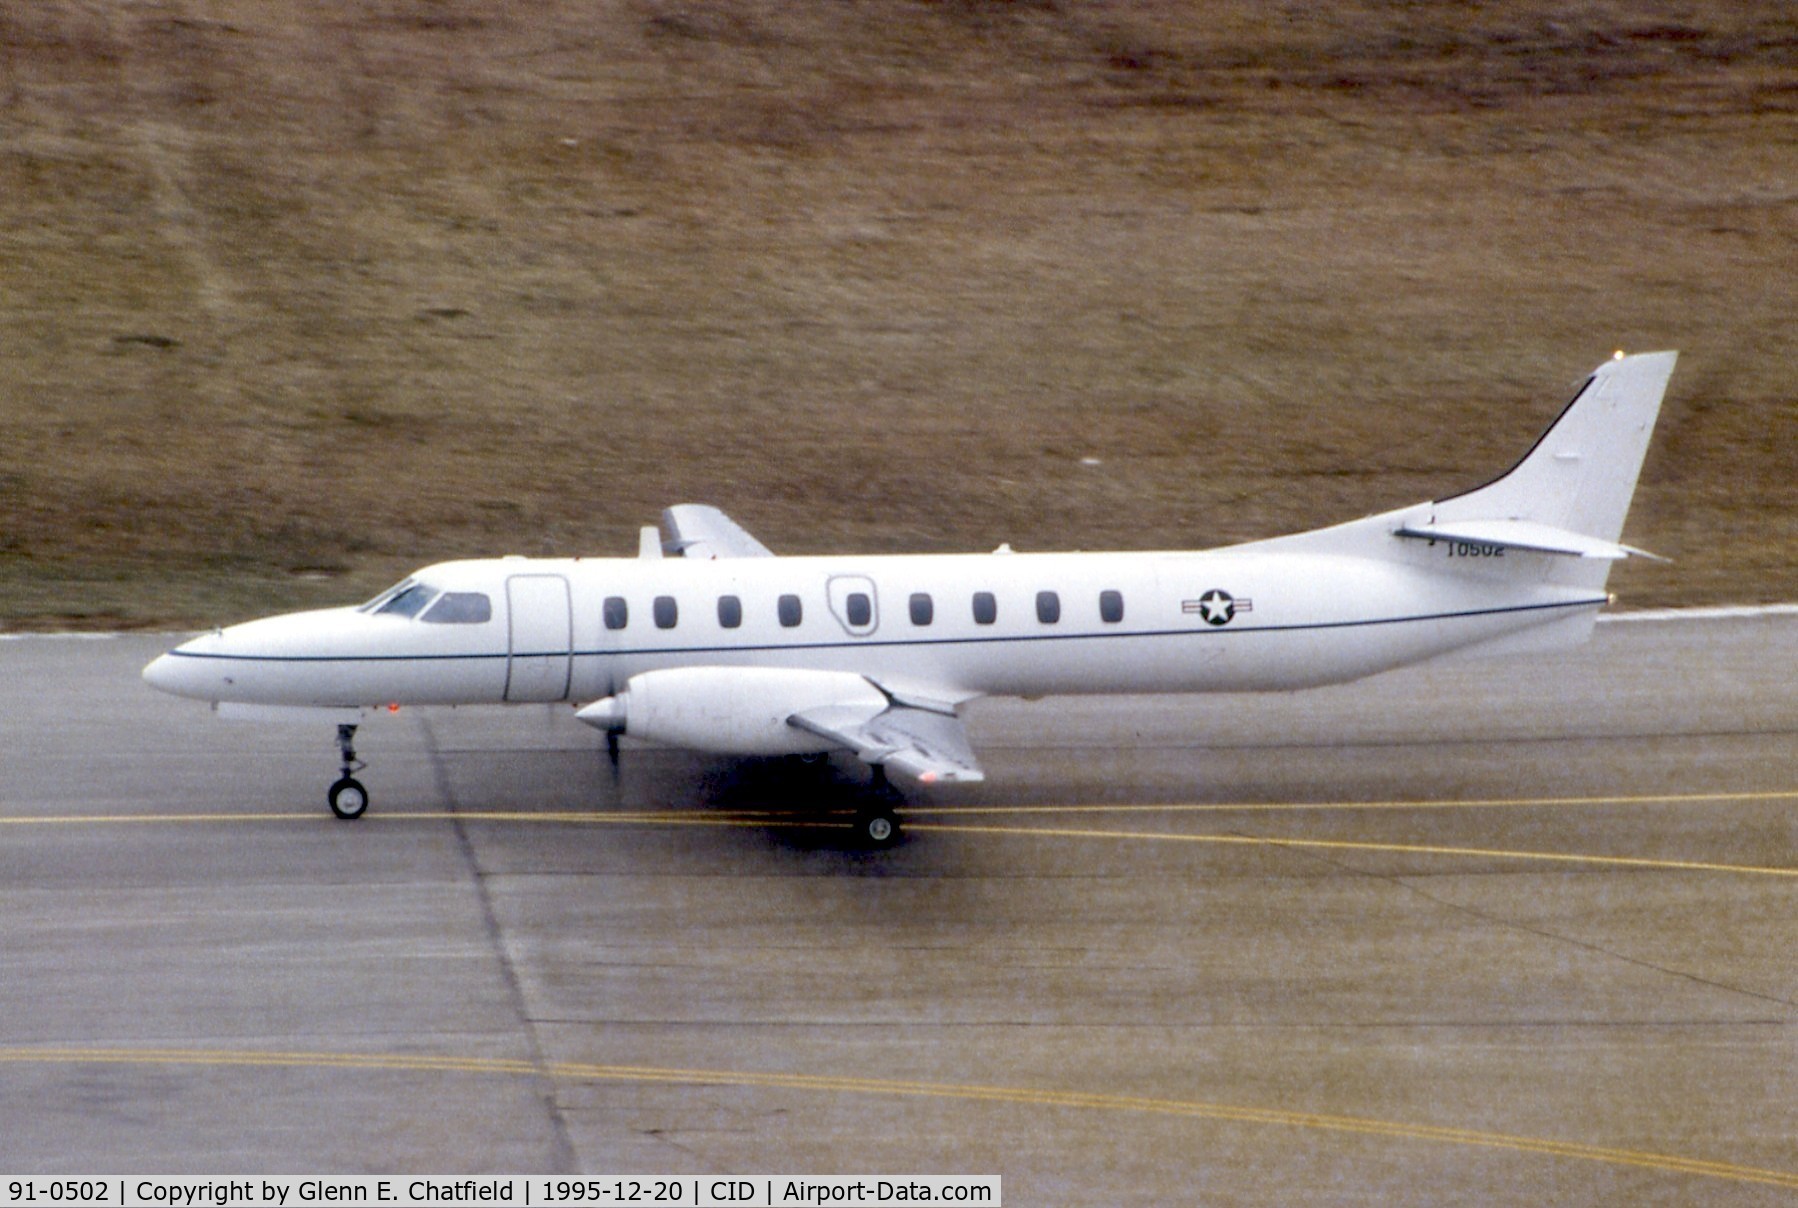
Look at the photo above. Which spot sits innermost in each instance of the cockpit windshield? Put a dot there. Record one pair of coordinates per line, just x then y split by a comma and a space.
409, 602
385, 596
413, 599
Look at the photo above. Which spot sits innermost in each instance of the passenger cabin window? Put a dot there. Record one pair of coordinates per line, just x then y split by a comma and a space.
666, 611
408, 603
923, 608
1048, 607
858, 608
730, 611
1111, 607
986, 608
791, 613
460, 608
616, 612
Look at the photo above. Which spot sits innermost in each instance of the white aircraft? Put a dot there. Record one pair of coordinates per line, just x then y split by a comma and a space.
707, 641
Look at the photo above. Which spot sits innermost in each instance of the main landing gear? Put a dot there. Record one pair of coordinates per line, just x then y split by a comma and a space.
347, 797
876, 824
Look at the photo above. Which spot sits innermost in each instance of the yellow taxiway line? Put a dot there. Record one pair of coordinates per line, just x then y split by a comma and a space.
1028, 1096
730, 816
1425, 849
793, 820
1262, 807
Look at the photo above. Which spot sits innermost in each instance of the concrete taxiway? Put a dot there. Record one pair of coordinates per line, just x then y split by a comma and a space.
1481, 932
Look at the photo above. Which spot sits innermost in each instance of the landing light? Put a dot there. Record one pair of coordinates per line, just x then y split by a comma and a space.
1618, 355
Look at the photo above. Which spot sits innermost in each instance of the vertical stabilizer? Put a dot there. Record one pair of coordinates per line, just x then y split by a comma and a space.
1580, 475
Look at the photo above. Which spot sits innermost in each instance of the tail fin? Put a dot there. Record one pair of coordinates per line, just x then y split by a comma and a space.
1572, 490
1566, 499
1570, 493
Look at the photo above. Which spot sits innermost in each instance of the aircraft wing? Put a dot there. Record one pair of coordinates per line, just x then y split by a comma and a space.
927, 746
697, 530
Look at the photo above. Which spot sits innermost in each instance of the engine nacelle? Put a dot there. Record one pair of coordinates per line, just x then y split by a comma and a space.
731, 710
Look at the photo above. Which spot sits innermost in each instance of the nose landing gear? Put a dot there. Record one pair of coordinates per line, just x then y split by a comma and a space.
347, 797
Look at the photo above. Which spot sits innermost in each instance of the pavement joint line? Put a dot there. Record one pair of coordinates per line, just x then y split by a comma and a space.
824, 1083
562, 1154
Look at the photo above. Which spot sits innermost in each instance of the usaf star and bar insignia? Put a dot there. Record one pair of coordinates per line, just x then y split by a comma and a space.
1217, 607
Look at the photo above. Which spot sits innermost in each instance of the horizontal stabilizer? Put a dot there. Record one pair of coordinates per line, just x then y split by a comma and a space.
698, 530
928, 747
1524, 535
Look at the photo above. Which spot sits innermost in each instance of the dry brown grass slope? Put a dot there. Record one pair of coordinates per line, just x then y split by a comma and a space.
294, 297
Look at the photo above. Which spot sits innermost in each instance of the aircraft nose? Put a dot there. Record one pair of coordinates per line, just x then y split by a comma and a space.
179, 675
164, 674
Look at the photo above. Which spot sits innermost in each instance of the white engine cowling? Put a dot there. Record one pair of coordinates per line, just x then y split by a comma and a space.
731, 710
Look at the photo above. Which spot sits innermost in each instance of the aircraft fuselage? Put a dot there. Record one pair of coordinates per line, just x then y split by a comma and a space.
964, 625
730, 649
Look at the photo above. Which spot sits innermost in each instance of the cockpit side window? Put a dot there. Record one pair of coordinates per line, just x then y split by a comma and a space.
461, 608
408, 603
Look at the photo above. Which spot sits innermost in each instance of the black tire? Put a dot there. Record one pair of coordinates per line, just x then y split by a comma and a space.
877, 828
348, 799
